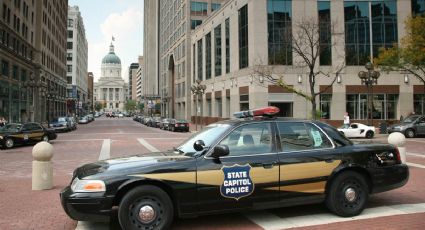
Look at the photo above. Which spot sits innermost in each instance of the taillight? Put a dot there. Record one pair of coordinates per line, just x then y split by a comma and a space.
177, 124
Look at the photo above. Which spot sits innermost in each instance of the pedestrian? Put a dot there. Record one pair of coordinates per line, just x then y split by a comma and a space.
346, 120
2, 122
401, 118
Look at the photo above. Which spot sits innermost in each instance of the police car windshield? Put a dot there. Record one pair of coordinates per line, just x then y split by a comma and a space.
209, 134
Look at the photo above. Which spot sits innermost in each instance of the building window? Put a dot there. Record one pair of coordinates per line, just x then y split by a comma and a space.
218, 109
228, 106
419, 103
15, 72
69, 56
70, 34
69, 68
361, 27
209, 107
23, 75
325, 106
200, 64
227, 27
69, 45
279, 17
208, 56
215, 6
244, 102
217, 54
70, 23
384, 106
285, 108
195, 23
5, 68
194, 62
325, 35
418, 7
243, 37
198, 8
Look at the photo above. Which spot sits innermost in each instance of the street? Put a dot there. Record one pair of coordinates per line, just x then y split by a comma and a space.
104, 138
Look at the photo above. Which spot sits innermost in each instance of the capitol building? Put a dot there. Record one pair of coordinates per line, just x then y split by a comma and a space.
111, 91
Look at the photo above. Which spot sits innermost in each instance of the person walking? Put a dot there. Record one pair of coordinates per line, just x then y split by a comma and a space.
2, 121
346, 120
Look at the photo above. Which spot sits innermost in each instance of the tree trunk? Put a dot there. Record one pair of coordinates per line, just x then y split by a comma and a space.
313, 110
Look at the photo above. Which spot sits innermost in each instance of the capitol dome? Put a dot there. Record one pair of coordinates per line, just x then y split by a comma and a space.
111, 57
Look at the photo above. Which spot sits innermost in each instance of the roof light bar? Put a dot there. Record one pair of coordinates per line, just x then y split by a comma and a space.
266, 111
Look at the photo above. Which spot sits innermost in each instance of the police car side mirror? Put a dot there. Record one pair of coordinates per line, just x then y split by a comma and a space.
220, 151
199, 145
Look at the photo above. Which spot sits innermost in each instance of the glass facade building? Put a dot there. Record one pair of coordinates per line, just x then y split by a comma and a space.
279, 18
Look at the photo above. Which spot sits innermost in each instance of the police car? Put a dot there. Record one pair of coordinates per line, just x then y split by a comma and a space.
253, 162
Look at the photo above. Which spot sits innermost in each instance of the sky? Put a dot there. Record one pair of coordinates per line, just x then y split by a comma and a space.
122, 19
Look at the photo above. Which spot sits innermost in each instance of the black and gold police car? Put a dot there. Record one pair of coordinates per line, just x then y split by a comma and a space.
236, 165
21, 134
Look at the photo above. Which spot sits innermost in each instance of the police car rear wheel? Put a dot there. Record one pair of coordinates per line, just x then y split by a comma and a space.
9, 143
146, 207
347, 194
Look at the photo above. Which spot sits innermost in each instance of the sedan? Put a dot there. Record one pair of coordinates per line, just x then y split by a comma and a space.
83, 120
232, 166
358, 130
61, 124
178, 125
22, 134
411, 126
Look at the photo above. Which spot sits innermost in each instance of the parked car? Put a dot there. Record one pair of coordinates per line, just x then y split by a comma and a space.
120, 115
164, 123
411, 126
178, 125
22, 134
236, 165
97, 114
83, 120
61, 124
90, 117
157, 122
358, 130
146, 120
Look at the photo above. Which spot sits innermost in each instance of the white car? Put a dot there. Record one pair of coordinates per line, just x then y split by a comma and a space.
358, 130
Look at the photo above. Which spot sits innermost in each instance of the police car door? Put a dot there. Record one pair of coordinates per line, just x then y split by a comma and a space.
307, 158
247, 177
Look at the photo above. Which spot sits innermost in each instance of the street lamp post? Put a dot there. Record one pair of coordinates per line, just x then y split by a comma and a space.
50, 94
197, 90
35, 87
369, 78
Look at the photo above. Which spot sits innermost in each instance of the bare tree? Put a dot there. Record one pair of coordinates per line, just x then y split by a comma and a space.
307, 48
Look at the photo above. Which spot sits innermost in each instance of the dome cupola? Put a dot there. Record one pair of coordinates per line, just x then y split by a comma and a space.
111, 57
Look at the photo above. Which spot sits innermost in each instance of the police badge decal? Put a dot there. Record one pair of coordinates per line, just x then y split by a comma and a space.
237, 182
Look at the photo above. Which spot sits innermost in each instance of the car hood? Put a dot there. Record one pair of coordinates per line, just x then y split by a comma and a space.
131, 164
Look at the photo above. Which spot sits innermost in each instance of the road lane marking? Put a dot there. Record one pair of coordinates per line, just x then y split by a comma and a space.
416, 165
105, 151
79, 140
164, 138
416, 155
269, 221
417, 141
147, 145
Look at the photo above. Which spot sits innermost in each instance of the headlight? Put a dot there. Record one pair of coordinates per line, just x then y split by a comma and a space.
88, 185
1, 137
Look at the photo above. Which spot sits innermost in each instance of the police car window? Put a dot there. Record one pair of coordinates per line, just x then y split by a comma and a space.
294, 137
209, 134
249, 139
320, 140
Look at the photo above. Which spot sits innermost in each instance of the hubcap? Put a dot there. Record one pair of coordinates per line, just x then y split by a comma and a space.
350, 194
147, 214
9, 143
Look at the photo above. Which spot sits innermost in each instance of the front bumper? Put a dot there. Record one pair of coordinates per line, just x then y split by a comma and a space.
86, 206
389, 178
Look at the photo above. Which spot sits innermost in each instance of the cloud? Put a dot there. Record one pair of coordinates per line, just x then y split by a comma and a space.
127, 29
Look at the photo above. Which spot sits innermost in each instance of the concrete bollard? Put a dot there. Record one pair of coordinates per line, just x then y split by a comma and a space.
399, 140
42, 170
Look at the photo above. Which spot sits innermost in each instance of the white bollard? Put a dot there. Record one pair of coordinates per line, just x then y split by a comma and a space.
399, 140
42, 170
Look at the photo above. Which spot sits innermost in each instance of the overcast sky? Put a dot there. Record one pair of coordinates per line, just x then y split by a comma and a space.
103, 19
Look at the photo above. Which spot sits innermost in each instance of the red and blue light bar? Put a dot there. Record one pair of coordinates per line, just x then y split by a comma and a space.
266, 111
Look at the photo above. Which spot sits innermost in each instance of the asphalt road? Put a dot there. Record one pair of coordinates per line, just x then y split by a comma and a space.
109, 138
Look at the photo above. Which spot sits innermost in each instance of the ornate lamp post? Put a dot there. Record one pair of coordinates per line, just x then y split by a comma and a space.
34, 87
369, 78
50, 94
197, 90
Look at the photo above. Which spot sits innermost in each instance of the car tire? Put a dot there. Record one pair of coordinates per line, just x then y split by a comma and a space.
150, 198
410, 133
347, 194
9, 143
45, 138
369, 134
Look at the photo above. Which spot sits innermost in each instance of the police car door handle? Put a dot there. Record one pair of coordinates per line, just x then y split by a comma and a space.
268, 166
329, 160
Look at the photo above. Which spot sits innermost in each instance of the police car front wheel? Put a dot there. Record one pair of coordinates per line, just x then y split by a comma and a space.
347, 194
9, 143
146, 207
